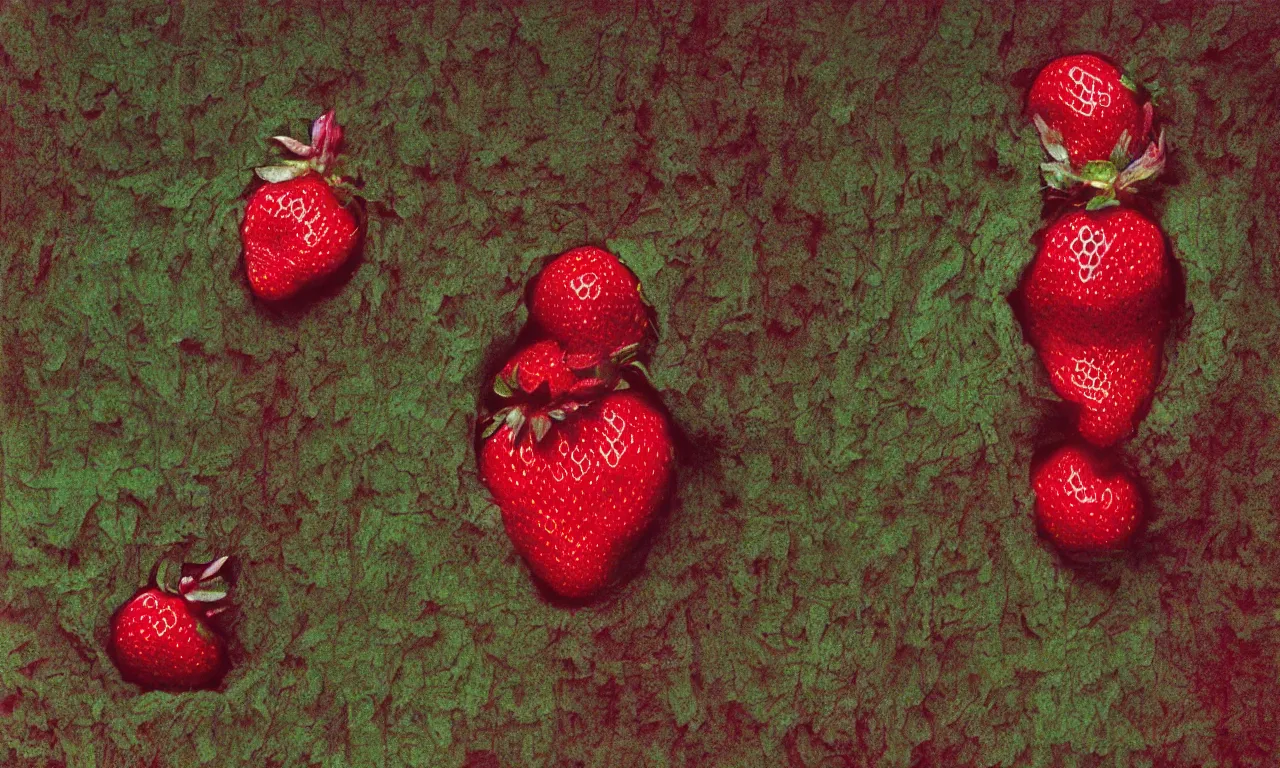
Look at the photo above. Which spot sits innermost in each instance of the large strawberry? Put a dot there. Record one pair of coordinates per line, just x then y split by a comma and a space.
589, 302
296, 231
1100, 277
1082, 505
1096, 300
578, 489
161, 637
1092, 125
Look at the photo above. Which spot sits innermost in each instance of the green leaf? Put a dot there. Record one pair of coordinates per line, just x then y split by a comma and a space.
501, 388
1051, 140
1104, 200
494, 425
205, 595
541, 424
283, 171
1120, 153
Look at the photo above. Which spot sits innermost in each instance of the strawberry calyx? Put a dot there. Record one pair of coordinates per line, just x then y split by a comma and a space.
1111, 177
316, 157
539, 409
611, 367
540, 419
203, 592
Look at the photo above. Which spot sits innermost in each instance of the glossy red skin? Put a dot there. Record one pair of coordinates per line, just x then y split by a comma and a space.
1100, 277
1111, 383
1081, 509
575, 503
1083, 97
157, 642
590, 303
1097, 308
294, 233
542, 361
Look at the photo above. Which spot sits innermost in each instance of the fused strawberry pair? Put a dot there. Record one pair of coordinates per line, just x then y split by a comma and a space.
579, 462
1096, 298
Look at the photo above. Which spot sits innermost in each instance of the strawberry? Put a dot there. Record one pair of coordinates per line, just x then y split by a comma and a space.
295, 230
541, 363
1091, 103
1100, 276
162, 639
591, 304
1082, 506
1092, 125
1096, 300
1111, 384
578, 492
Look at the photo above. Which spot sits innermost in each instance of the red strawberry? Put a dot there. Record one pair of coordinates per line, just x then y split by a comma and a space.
590, 303
163, 640
1111, 384
1090, 122
575, 501
542, 362
1090, 103
295, 229
1096, 299
1081, 506
1100, 277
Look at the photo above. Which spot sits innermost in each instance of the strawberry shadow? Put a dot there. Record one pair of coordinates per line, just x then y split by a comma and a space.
288, 311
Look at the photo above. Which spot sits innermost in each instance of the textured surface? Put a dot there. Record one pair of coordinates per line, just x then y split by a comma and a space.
827, 208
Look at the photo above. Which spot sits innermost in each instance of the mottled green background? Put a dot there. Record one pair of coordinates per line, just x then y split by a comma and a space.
827, 207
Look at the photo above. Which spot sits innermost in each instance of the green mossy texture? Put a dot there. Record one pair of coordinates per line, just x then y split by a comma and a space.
827, 207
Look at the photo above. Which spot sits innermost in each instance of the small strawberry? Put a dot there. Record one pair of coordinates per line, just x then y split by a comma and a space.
295, 230
540, 363
577, 493
160, 639
1091, 123
1099, 277
1111, 384
1082, 506
590, 303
